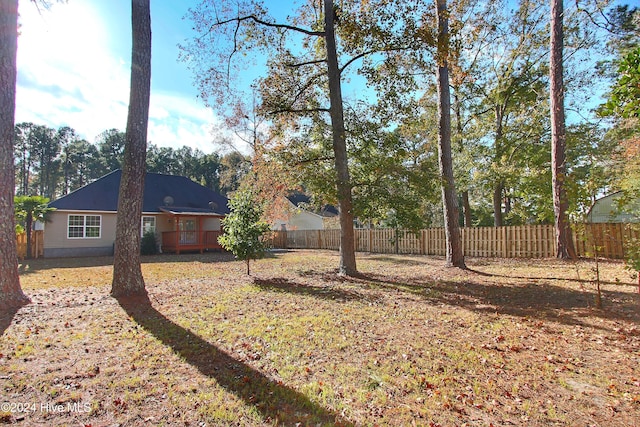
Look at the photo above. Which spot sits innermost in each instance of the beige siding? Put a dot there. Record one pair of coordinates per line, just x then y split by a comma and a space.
304, 220
298, 219
211, 224
605, 210
57, 244
163, 223
55, 235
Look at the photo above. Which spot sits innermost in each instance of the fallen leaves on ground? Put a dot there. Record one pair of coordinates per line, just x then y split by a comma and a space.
407, 342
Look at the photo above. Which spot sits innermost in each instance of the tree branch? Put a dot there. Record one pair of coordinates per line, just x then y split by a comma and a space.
299, 111
608, 25
316, 159
363, 54
302, 64
270, 25
309, 83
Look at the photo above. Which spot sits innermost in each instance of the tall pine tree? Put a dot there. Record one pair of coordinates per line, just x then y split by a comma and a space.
127, 274
11, 294
564, 243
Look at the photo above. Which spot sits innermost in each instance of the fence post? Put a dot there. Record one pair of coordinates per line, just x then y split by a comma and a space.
505, 251
425, 240
619, 236
534, 241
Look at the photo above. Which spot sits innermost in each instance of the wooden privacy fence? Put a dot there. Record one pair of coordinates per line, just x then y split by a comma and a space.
37, 244
527, 241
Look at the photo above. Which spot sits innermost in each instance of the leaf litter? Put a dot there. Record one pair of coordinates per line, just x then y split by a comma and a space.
407, 342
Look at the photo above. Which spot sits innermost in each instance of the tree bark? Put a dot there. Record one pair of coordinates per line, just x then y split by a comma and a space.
127, 274
11, 294
497, 204
343, 180
28, 225
564, 242
466, 206
454, 254
498, 185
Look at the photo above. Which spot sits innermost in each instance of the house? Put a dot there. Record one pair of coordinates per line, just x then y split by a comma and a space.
297, 216
606, 209
184, 215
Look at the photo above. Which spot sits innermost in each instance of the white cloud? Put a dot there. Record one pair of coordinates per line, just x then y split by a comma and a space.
67, 75
175, 121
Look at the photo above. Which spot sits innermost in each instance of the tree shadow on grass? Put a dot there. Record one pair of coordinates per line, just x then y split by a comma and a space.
416, 286
277, 284
533, 300
399, 261
6, 317
564, 279
33, 265
276, 402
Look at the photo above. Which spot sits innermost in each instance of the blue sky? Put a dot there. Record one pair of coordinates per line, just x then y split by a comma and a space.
73, 69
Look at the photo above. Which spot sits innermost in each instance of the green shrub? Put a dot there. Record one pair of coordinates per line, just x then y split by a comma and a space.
149, 245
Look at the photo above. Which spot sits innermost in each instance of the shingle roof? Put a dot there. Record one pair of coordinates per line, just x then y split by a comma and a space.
301, 200
298, 198
177, 192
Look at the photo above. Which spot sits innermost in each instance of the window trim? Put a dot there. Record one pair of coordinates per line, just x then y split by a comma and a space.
84, 226
155, 224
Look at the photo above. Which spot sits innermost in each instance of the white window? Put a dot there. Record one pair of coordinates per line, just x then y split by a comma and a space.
148, 224
84, 226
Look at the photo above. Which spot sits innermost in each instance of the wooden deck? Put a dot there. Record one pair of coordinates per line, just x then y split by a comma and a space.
190, 241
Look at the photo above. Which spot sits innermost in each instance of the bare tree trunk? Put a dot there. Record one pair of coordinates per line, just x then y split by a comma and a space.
466, 206
347, 234
66, 165
28, 225
497, 204
127, 275
25, 175
499, 184
455, 257
564, 242
10, 291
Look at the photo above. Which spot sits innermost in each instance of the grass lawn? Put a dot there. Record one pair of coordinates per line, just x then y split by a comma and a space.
507, 342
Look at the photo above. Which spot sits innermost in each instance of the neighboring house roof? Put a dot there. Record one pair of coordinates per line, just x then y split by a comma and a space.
298, 198
302, 201
329, 211
605, 209
162, 193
